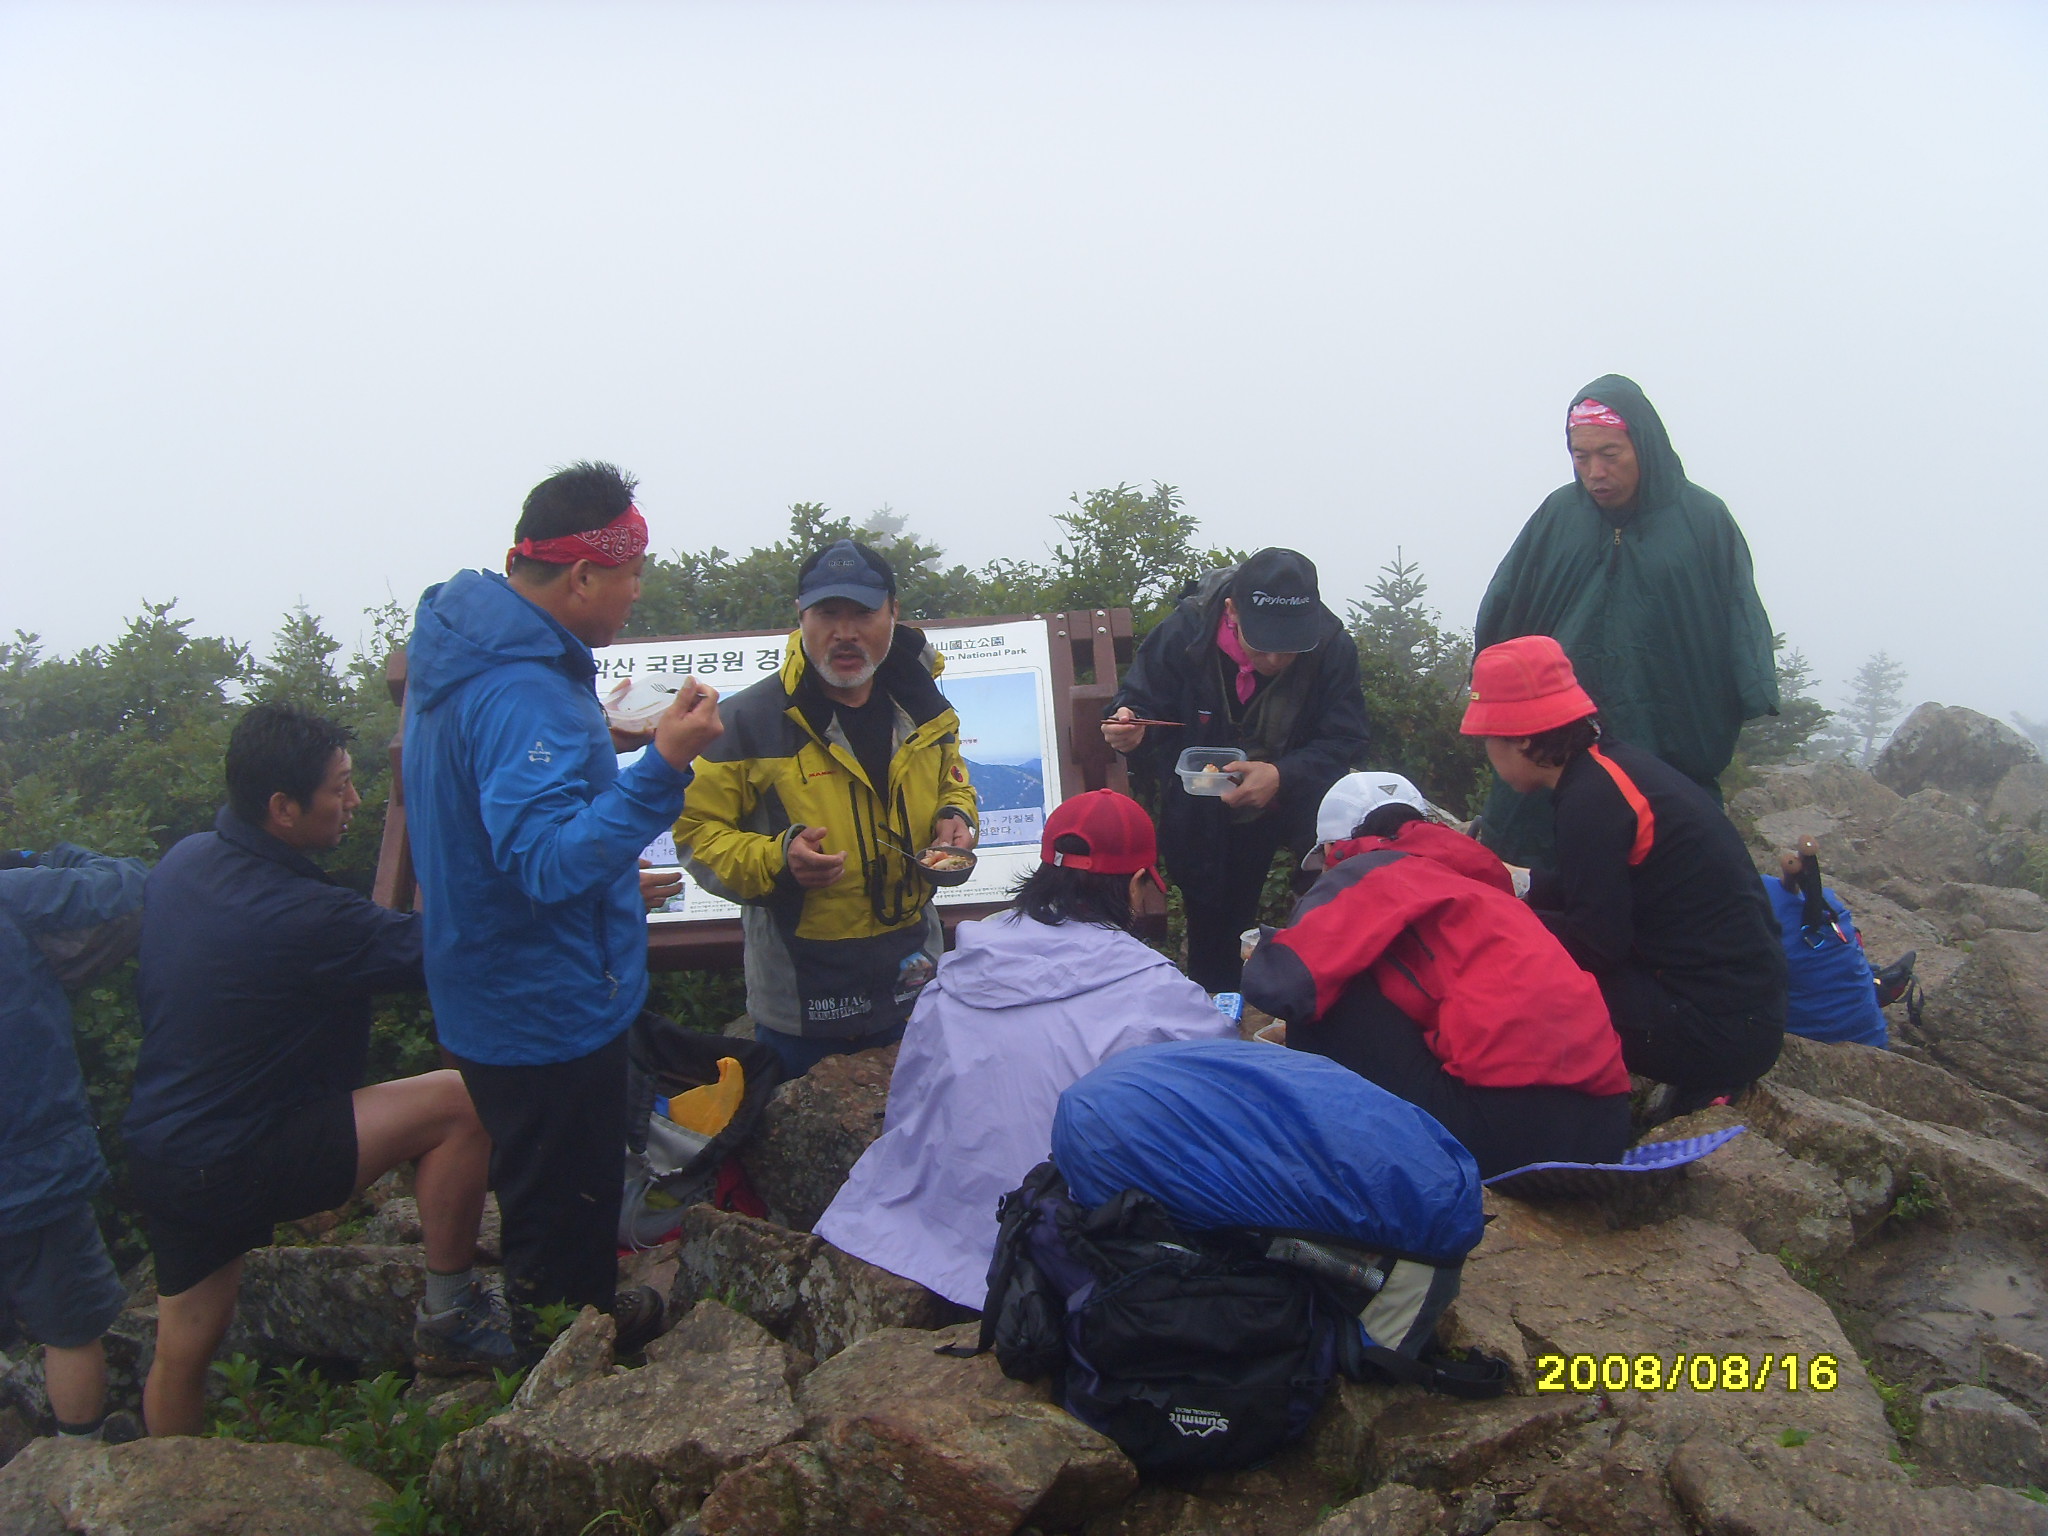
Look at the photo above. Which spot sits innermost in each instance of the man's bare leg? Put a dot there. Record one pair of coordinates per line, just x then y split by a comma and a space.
76, 1380
429, 1119
189, 1328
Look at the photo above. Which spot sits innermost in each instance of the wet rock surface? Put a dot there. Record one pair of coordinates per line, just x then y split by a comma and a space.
814, 1130
185, 1487
1875, 1238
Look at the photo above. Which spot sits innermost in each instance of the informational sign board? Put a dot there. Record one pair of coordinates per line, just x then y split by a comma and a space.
998, 678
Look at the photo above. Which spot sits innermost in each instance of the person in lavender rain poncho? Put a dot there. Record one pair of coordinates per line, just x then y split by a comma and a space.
1028, 1002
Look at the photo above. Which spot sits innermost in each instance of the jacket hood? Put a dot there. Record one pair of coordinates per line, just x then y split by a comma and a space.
476, 621
1663, 474
1011, 961
1440, 844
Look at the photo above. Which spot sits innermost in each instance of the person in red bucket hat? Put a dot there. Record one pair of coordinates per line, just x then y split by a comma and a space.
1653, 891
1027, 1002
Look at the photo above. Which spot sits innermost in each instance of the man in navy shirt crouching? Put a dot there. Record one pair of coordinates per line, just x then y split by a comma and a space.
257, 971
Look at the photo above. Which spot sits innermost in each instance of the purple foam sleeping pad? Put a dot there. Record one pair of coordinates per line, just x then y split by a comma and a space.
1554, 1181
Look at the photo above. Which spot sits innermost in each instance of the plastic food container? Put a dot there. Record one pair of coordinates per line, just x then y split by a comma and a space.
635, 707
1274, 1033
1194, 766
962, 860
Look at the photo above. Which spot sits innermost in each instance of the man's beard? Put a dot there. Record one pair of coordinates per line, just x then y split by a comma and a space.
833, 678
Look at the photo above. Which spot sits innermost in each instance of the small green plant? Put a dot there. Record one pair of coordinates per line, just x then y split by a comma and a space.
2038, 1495
1901, 1406
619, 1522
369, 1421
1793, 1437
1920, 1198
550, 1319
407, 1513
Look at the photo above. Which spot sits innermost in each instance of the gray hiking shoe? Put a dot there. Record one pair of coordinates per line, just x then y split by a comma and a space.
468, 1340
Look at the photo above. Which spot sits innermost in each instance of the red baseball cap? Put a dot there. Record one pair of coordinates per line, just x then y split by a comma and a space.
1116, 829
1523, 686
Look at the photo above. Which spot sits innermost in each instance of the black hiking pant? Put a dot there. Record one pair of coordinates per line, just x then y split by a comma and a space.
1669, 1038
1219, 909
558, 1163
1503, 1128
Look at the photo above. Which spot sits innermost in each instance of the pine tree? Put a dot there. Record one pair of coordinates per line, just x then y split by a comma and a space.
1800, 727
298, 669
1876, 698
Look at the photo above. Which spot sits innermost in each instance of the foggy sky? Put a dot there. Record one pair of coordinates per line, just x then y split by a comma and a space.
297, 300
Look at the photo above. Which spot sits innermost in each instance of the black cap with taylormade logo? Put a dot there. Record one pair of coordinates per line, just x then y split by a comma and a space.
1278, 605
846, 569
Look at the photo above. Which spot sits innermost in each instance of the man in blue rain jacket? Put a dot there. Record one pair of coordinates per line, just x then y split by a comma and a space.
526, 838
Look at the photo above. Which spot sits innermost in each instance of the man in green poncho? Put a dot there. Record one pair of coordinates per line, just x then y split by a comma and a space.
1645, 581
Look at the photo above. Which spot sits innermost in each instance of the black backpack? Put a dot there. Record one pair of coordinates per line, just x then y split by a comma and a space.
1203, 1352
668, 1167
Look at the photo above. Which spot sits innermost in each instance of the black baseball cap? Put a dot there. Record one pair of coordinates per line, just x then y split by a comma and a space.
846, 569
1279, 607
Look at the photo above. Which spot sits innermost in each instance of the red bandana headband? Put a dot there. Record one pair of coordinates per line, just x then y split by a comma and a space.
1591, 413
619, 541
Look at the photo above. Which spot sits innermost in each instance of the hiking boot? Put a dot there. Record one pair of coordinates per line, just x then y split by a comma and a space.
468, 1340
639, 1315
1893, 980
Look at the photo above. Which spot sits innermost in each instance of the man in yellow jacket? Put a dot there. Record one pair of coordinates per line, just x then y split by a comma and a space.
811, 810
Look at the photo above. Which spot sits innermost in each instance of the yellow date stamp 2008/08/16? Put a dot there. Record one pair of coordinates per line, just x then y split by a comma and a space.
1697, 1373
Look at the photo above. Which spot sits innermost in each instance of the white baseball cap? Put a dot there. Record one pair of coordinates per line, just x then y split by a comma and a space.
1353, 798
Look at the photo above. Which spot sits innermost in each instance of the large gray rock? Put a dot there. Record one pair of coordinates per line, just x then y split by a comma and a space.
842, 1299
1940, 746
1574, 1286
580, 1352
329, 1303
1989, 1021
813, 1131
797, 1286
1394, 1510
1914, 1090
751, 1265
896, 1364
2021, 799
185, 1487
931, 1466
1618, 1490
648, 1442
1979, 1436
1781, 1203
1807, 1491
711, 1328
1934, 837
1994, 906
899, 1438
1868, 1163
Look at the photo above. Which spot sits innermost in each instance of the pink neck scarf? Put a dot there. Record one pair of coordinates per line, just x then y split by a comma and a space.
1228, 643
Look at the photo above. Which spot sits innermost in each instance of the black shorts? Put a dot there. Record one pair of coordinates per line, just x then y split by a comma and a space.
57, 1282
198, 1219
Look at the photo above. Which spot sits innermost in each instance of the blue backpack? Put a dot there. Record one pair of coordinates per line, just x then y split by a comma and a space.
1224, 1228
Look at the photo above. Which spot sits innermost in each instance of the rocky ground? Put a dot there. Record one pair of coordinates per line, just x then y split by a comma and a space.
1881, 1226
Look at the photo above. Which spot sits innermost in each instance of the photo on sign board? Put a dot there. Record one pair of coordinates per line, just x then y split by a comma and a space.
1002, 743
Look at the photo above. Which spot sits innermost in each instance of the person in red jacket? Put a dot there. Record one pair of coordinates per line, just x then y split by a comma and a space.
1412, 963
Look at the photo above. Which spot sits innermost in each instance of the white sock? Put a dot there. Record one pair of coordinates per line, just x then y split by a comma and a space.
447, 1292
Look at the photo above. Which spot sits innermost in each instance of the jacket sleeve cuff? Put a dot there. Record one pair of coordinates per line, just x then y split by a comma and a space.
1277, 982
